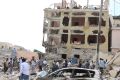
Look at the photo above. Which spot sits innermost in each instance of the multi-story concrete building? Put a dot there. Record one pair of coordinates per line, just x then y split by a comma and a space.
72, 29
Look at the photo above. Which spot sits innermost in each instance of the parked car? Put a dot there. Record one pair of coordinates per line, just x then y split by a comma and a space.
74, 73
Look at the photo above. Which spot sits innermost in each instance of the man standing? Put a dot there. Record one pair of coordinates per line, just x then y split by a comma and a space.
24, 70
102, 65
33, 64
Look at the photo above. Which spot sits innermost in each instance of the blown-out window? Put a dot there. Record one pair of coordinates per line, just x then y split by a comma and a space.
93, 21
78, 21
64, 38
92, 39
65, 21
78, 39
55, 23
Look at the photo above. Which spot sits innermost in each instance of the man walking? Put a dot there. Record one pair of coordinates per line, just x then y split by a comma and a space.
24, 70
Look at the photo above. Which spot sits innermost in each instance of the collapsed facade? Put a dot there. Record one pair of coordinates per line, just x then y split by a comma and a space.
71, 30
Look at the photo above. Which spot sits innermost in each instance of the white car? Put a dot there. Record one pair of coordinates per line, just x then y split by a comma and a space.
74, 73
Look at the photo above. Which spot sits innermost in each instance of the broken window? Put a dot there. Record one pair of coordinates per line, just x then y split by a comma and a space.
55, 14
93, 21
92, 39
65, 31
65, 21
78, 39
53, 41
55, 23
54, 31
78, 21
64, 38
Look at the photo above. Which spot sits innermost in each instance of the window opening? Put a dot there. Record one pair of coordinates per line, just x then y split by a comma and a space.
65, 21
77, 39
65, 31
78, 21
64, 56
55, 23
64, 38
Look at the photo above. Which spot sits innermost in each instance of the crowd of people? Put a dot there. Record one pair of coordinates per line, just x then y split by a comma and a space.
25, 67
9, 64
75, 62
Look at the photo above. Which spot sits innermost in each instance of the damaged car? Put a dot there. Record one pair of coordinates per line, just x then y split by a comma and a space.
74, 73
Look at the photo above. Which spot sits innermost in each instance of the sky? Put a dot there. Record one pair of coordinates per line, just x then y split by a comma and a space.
21, 21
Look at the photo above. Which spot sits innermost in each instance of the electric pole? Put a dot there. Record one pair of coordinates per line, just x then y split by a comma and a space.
98, 36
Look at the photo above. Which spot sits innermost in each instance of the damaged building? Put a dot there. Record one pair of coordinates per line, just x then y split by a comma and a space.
71, 30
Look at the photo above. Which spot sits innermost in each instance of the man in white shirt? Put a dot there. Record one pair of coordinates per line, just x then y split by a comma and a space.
102, 65
24, 70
